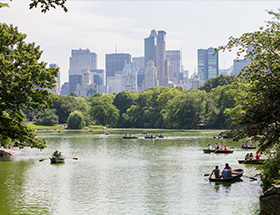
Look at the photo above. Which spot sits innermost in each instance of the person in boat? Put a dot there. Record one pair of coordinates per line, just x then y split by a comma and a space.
219, 147
246, 144
152, 135
209, 147
258, 156
56, 154
242, 144
161, 135
225, 148
216, 172
226, 173
251, 157
247, 157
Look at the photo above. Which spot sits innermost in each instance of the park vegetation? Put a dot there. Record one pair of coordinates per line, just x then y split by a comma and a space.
158, 107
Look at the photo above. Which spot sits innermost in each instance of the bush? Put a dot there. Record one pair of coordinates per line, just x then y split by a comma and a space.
75, 120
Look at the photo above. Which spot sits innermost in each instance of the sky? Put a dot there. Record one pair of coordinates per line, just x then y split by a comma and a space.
105, 26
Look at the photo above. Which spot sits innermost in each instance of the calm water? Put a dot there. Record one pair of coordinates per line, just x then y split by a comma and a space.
117, 176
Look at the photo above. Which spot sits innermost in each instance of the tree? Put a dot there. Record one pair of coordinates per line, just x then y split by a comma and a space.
123, 101
47, 117
75, 120
103, 112
63, 108
186, 110
220, 80
45, 5
22, 80
258, 112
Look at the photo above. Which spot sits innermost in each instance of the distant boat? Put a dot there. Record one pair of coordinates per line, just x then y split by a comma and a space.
248, 147
148, 137
6, 152
57, 160
235, 176
217, 151
130, 137
254, 161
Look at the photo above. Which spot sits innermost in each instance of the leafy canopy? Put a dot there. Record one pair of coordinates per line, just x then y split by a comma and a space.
259, 112
22, 80
45, 5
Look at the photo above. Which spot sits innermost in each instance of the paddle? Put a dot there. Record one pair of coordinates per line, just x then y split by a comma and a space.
72, 158
43, 159
251, 177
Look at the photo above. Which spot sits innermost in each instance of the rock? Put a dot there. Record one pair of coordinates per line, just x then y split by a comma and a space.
270, 201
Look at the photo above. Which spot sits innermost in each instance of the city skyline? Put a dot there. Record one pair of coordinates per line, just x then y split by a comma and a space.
104, 26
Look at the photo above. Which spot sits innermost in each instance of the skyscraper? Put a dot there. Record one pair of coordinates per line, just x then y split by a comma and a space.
207, 63
174, 58
161, 57
79, 60
213, 63
56, 89
150, 47
115, 63
150, 75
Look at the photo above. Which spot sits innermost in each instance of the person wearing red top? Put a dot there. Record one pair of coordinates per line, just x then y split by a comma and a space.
258, 156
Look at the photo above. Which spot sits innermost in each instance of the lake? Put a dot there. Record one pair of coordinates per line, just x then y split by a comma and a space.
117, 176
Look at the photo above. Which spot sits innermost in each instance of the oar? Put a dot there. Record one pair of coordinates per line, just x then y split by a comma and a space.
251, 177
43, 159
207, 174
72, 158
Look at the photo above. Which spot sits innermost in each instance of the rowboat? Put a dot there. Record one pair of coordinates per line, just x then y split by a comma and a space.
150, 137
217, 151
248, 147
6, 152
57, 160
235, 176
129, 137
254, 161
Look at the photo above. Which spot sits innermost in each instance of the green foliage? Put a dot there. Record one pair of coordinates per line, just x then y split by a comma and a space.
75, 120
186, 110
258, 110
45, 5
4, 5
220, 80
22, 80
103, 112
270, 175
47, 117
63, 108
223, 98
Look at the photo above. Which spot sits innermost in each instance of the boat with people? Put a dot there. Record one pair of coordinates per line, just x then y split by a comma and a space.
248, 147
57, 160
217, 151
253, 161
236, 175
6, 152
150, 137
130, 137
